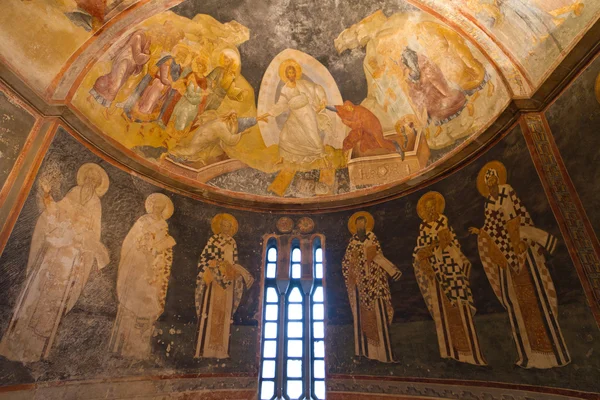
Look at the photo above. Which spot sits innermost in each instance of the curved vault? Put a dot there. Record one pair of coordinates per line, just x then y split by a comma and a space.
171, 92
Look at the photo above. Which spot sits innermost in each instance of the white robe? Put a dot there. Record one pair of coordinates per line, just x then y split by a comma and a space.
64, 246
144, 271
301, 138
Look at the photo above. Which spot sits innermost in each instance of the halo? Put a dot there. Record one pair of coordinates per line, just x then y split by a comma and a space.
231, 52
440, 203
287, 63
499, 167
215, 224
597, 88
86, 169
153, 198
352, 221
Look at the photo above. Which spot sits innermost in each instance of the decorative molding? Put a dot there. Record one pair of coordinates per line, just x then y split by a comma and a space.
425, 389
566, 205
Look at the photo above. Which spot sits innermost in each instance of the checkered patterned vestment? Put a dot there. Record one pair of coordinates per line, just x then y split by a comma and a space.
449, 265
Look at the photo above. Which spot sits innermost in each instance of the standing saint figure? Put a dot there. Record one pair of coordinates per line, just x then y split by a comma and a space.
143, 277
442, 272
64, 247
219, 288
301, 138
511, 250
366, 273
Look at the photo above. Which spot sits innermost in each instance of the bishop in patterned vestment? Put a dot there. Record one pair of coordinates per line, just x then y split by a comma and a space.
366, 273
512, 253
219, 288
442, 272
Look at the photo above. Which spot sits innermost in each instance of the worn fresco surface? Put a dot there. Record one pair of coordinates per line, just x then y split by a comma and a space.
89, 340
16, 123
574, 119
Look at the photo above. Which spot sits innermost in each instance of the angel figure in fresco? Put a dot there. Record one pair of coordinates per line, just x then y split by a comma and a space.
511, 250
128, 60
143, 277
366, 272
300, 140
64, 248
442, 272
219, 288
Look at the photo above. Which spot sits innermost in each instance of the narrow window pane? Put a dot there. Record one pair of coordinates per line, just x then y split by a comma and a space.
295, 311
318, 312
319, 369
296, 271
296, 255
272, 255
271, 270
319, 348
320, 389
294, 389
268, 369
267, 390
270, 350
271, 312
270, 330
295, 295
318, 330
294, 348
295, 329
319, 255
272, 296
319, 271
318, 295
294, 368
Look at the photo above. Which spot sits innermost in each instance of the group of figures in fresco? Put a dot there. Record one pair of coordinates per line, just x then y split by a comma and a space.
183, 103
66, 244
511, 250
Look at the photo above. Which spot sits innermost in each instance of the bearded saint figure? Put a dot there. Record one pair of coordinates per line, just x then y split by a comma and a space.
366, 273
143, 277
512, 253
219, 288
65, 246
300, 140
442, 272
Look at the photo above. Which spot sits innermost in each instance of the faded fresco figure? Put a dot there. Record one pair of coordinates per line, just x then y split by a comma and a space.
366, 273
219, 288
221, 81
128, 60
64, 248
301, 138
512, 253
442, 272
143, 277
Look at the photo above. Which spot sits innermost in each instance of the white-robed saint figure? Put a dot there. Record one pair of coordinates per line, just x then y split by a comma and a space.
301, 138
142, 280
366, 273
512, 249
219, 288
442, 272
64, 248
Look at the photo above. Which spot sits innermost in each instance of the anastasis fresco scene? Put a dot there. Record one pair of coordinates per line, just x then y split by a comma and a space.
373, 100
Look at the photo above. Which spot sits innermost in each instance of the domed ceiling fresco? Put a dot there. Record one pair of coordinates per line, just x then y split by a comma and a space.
280, 101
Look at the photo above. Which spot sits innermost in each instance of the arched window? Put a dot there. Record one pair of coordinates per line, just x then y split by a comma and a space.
293, 347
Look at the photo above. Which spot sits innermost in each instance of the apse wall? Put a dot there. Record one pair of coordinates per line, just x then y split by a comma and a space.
81, 363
